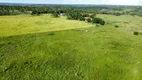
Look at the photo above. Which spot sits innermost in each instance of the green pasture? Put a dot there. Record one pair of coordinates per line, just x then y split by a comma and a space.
46, 48
24, 24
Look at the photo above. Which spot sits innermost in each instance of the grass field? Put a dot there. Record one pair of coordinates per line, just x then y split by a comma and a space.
23, 24
50, 52
126, 22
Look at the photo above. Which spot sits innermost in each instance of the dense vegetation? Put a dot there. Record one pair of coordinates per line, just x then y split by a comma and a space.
113, 10
76, 15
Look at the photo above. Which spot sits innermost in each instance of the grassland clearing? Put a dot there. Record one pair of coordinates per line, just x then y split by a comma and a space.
126, 22
24, 24
38, 52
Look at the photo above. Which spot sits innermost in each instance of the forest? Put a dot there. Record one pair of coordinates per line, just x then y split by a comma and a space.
112, 10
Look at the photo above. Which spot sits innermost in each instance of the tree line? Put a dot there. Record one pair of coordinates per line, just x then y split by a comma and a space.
91, 18
110, 10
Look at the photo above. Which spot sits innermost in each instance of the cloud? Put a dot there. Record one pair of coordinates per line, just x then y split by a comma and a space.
121, 2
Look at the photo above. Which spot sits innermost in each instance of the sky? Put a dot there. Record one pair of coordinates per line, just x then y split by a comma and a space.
107, 2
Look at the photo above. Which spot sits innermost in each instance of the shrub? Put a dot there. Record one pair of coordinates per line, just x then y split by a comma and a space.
93, 15
55, 15
81, 18
35, 13
98, 21
136, 33
116, 26
85, 15
89, 20
102, 22
117, 14
51, 33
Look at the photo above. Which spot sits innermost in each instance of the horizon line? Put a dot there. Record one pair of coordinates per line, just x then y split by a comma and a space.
66, 4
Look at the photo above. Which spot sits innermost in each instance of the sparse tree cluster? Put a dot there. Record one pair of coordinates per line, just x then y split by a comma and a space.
98, 21
91, 18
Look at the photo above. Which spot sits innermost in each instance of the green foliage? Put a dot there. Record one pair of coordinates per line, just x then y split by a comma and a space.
77, 15
102, 22
44, 9
81, 18
136, 33
116, 26
55, 15
117, 14
93, 15
51, 33
85, 15
35, 13
89, 20
98, 21
2, 13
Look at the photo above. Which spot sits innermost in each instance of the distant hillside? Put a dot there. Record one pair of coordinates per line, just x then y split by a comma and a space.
71, 5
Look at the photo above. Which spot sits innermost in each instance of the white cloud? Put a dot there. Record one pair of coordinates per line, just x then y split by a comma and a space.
123, 2
112, 2
81, 2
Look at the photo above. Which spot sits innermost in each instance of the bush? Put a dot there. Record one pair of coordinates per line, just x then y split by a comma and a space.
9, 13
85, 15
136, 33
51, 33
55, 15
98, 21
35, 13
82, 18
77, 15
93, 15
89, 20
116, 26
102, 22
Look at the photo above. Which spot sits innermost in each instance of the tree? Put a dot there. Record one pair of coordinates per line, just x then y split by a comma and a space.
55, 14
136, 33
81, 18
89, 20
102, 22
35, 12
98, 21
93, 15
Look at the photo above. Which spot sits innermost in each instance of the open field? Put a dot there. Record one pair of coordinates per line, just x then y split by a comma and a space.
40, 48
23, 24
126, 22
